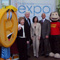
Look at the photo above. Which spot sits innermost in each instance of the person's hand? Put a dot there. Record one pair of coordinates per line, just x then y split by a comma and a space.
27, 42
19, 28
38, 38
47, 36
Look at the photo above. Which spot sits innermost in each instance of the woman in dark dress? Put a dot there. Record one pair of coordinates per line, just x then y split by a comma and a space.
22, 40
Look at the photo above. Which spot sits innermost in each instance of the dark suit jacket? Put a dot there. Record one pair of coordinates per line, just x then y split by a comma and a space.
20, 33
27, 27
45, 28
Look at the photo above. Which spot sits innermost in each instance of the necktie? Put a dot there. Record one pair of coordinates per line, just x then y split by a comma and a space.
42, 21
28, 22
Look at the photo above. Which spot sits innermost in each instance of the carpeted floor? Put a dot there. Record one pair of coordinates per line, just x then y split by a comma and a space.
40, 57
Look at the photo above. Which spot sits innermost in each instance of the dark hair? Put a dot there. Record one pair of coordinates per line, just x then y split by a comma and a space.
34, 19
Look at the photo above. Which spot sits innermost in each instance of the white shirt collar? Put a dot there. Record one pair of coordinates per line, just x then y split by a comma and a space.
43, 20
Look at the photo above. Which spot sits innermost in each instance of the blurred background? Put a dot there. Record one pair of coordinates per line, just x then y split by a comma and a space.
36, 7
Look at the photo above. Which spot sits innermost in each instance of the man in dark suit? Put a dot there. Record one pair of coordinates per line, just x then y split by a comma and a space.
45, 26
28, 25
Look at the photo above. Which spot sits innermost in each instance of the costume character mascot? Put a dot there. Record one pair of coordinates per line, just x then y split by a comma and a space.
54, 35
8, 30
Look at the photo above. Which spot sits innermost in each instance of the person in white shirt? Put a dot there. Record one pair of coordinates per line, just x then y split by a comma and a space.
22, 40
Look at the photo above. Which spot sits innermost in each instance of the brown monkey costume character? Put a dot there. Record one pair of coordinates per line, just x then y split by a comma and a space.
54, 35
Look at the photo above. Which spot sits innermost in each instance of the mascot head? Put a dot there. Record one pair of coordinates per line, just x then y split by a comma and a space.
8, 26
54, 16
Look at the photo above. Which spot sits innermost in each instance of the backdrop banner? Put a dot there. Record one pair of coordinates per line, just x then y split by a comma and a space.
36, 7
0, 4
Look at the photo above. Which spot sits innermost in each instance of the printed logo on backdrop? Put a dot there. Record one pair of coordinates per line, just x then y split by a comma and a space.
35, 9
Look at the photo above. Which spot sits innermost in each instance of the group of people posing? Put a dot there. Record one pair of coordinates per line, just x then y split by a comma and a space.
43, 34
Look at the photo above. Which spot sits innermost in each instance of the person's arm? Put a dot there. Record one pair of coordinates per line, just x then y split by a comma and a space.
20, 30
31, 31
39, 31
19, 27
48, 29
